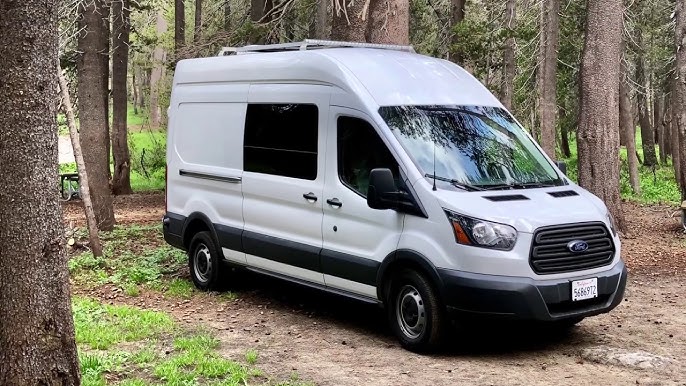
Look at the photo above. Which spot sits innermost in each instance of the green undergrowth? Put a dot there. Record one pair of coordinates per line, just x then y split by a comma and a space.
136, 258
124, 345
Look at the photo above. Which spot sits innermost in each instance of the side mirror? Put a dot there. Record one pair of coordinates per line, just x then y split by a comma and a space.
562, 165
382, 190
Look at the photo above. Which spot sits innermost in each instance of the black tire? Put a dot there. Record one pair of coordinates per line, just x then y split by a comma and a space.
415, 313
205, 263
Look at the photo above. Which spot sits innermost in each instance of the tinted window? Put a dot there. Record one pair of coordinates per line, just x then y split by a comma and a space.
360, 149
281, 139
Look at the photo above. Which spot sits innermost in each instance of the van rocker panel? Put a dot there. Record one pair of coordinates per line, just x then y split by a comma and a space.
528, 299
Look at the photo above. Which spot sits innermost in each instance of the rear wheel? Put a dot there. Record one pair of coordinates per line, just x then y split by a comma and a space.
204, 262
416, 315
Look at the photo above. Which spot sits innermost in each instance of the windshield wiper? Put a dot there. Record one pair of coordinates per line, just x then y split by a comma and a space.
517, 185
455, 183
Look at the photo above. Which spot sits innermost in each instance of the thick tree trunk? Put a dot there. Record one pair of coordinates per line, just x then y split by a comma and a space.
157, 72
626, 122
92, 109
106, 77
509, 55
350, 20
322, 20
598, 132
36, 327
198, 21
259, 14
227, 16
564, 141
547, 87
389, 22
457, 11
680, 105
179, 28
647, 136
121, 181
658, 106
84, 186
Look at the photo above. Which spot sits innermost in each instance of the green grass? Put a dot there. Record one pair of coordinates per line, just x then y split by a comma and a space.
658, 185
158, 352
180, 288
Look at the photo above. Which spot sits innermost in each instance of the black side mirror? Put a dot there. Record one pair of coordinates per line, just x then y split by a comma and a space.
382, 189
562, 165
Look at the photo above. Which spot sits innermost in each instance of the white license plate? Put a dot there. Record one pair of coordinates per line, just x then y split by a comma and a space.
585, 289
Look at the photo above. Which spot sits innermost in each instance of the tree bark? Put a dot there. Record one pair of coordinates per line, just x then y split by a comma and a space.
509, 55
198, 21
628, 129
389, 22
647, 135
36, 325
457, 12
93, 119
322, 20
680, 105
134, 90
259, 9
121, 181
658, 106
179, 28
349, 21
227, 16
598, 132
106, 77
157, 72
84, 186
547, 86
564, 141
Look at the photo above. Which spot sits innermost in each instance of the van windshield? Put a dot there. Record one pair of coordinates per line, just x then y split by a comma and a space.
475, 146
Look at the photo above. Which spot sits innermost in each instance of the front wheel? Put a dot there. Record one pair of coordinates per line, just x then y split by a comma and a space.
204, 262
415, 312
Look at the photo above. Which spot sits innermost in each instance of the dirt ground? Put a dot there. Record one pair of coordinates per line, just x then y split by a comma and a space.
333, 341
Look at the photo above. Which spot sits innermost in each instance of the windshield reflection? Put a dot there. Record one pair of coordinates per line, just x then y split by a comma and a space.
476, 145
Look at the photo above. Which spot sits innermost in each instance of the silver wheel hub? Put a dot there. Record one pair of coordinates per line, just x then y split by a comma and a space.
202, 263
410, 312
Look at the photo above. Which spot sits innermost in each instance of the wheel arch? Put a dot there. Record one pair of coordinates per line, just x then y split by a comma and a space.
198, 222
405, 258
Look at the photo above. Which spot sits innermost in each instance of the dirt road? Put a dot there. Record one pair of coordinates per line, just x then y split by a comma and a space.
334, 341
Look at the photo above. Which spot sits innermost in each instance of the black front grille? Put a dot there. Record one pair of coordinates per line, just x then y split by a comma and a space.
563, 193
550, 254
507, 197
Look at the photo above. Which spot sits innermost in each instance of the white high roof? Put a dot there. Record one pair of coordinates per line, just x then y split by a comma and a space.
390, 77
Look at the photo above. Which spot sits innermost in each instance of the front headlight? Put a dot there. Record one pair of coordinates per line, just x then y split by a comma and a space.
482, 233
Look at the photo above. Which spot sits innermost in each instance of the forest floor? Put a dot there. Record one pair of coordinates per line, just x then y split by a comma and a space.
294, 334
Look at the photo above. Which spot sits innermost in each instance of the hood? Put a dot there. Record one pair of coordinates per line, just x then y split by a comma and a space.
527, 209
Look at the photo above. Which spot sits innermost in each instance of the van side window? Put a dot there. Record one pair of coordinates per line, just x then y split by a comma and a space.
360, 149
281, 139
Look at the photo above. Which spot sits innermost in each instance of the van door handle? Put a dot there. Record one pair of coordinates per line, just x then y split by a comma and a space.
310, 196
334, 202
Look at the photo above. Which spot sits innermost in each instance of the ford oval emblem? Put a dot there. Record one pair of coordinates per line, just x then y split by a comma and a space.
577, 246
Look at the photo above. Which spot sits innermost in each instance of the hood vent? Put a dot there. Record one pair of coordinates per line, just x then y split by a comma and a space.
563, 193
507, 197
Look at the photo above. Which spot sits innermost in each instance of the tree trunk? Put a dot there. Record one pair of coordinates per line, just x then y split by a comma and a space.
509, 55
389, 22
626, 122
598, 132
322, 20
227, 16
658, 102
92, 118
680, 105
157, 71
121, 182
564, 141
647, 137
667, 120
198, 21
134, 90
350, 20
259, 11
106, 78
457, 11
547, 87
84, 186
179, 28
36, 324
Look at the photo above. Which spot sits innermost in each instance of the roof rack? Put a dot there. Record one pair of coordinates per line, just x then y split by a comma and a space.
309, 44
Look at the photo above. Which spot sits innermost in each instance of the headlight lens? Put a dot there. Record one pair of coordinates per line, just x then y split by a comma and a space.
482, 233
613, 227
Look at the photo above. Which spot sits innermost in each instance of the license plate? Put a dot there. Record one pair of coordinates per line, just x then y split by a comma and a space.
584, 289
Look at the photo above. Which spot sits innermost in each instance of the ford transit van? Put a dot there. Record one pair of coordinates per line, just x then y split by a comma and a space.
384, 175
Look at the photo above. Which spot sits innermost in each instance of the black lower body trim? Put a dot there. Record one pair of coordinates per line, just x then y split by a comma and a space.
529, 299
284, 251
349, 267
229, 237
172, 229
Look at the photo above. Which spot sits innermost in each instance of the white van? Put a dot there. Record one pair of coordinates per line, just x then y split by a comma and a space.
383, 175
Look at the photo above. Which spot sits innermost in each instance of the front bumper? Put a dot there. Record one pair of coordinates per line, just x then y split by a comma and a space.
529, 299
